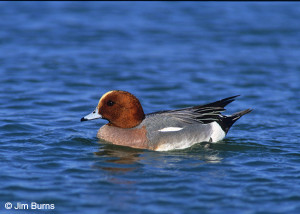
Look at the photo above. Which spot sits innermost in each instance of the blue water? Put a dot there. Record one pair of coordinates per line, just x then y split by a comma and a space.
58, 58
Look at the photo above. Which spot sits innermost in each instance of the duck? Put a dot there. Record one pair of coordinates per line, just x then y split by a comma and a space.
166, 130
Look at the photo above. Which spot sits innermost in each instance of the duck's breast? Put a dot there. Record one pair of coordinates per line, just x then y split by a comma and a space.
134, 137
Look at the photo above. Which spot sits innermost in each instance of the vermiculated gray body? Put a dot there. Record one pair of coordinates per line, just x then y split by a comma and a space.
186, 136
182, 128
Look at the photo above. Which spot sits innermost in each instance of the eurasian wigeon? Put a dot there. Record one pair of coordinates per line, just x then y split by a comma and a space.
164, 130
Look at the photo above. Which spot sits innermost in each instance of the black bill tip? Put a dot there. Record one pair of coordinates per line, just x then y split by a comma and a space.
83, 119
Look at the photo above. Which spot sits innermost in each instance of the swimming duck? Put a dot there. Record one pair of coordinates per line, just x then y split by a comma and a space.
128, 125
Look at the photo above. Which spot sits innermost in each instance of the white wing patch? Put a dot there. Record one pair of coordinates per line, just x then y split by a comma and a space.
170, 129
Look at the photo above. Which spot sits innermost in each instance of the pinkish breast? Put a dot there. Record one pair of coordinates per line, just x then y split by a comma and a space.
134, 137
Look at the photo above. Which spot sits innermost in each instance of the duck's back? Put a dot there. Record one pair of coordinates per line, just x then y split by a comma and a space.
165, 132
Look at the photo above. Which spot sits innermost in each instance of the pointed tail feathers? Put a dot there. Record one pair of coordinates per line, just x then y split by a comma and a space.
221, 103
228, 121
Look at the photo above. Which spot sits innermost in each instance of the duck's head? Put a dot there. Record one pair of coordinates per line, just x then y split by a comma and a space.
120, 108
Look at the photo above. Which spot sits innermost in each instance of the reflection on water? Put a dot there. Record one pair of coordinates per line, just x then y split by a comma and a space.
118, 158
203, 152
124, 159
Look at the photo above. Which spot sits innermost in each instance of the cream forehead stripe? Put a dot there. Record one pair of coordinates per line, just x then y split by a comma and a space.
104, 95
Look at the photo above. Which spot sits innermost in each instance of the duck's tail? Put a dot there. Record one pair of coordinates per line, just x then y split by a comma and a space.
227, 121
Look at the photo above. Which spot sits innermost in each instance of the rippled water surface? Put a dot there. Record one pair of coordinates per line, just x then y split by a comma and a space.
58, 58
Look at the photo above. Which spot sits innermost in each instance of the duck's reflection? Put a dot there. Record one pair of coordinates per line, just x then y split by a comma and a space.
118, 158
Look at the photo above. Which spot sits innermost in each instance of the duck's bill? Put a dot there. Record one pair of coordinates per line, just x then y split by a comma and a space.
92, 116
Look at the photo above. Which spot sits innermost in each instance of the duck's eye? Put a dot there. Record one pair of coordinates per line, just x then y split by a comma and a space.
110, 103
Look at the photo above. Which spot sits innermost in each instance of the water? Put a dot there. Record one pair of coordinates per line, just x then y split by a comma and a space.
58, 58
